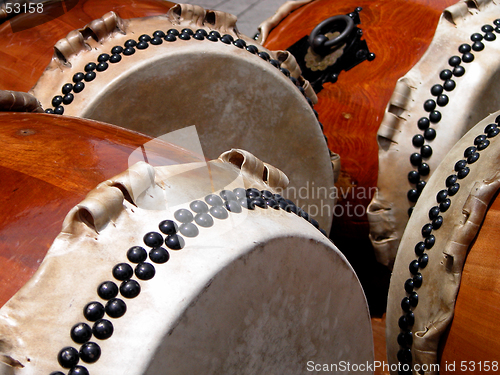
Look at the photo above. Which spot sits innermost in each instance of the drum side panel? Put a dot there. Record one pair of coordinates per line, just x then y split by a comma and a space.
287, 303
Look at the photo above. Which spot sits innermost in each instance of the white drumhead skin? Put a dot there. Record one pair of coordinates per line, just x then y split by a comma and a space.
473, 98
261, 292
235, 98
442, 275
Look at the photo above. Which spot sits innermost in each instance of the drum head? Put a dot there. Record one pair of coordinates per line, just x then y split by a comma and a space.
433, 250
195, 286
234, 96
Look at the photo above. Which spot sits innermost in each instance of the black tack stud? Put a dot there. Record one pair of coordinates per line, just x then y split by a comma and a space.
156, 41
130, 289
57, 100
101, 67
434, 212
174, 242
228, 195
437, 222
413, 299
199, 207
153, 239
451, 180
78, 87
68, 99
430, 134
423, 260
441, 196
435, 117
493, 133
490, 127
190, 230
137, 254
240, 43
188, 31
463, 173
436, 90
252, 49
67, 88
426, 151
477, 46
103, 57
405, 339
413, 267
59, 110
404, 356
476, 37
80, 333
423, 123
90, 352
416, 159
421, 185
464, 48
264, 56
116, 308
418, 140
424, 169
172, 38
227, 39
469, 151
49, 110
445, 205
130, 43
159, 255
102, 329
410, 319
93, 311
402, 323
426, 230
214, 200
259, 202
166, 227
275, 63
419, 249
458, 71
198, 36
467, 57
202, 32
78, 77
445, 74
442, 100
417, 280
116, 50
90, 67
205, 220
489, 37
90, 76
122, 271
56, 373
454, 61
68, 357
115, 58
405, 304
220, 212
409, 285
486, 28
286, 72
144, 38
449, 85
273, 204
479, 139
129, 51
430, 241
173, 32
233, 206
246, 203
461, 164
145, 271
473, 158
184, 36
429, 105
481, 146
452, 190
184, 216
107, 290
497, 22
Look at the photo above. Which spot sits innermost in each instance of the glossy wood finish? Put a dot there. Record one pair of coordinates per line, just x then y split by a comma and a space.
398, 32
48, 164
25, 54
473, 336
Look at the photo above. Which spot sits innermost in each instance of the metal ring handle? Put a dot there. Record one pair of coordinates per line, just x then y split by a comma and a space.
320, 44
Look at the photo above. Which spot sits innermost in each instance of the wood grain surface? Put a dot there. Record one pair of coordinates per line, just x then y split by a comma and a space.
398, 32
48, 164
474, 331
25, 54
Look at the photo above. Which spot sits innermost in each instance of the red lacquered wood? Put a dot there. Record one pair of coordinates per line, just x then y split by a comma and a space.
398, 32
48, 164
474, 332
25, 54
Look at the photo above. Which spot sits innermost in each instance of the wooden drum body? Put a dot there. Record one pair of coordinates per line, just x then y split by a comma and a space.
192, 67
444, 95
446, 231
235, 290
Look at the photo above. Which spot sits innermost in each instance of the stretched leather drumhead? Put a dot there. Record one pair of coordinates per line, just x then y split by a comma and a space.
446, 93
235, 290
48, 164
234, 92
432, 253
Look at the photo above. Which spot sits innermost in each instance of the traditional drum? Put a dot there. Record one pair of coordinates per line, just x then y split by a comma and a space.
354, 92
169, 268
450, 89
48, 164
191, 66
447, 230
